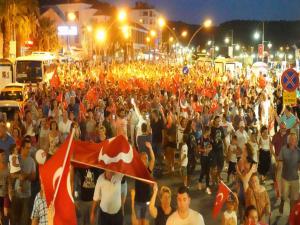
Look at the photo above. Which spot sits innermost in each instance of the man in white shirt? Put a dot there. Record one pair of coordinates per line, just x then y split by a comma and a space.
108, 193
64, 125
185, 215
242, 136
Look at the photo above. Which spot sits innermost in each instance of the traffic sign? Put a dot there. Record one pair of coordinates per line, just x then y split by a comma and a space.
289, 98
185, 70
290, 80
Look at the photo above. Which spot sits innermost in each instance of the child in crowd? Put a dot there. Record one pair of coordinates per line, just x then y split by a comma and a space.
205, 149
184, 159
232, 157
230, 215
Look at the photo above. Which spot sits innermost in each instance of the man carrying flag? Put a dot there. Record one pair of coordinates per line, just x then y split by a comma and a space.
55, 178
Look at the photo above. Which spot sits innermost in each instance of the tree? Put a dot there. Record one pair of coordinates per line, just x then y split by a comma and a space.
18, 19
46, 38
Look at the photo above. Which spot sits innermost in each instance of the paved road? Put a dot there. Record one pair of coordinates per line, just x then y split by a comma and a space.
203, 203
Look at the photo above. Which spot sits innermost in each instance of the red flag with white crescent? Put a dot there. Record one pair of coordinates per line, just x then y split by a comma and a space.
222, 195
56, 168
115, 154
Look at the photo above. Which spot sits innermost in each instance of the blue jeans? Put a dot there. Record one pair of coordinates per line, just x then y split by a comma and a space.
157, 149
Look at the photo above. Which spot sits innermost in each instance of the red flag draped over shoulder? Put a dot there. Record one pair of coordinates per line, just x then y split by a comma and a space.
55, 81
50, 173
222, 195
115, 154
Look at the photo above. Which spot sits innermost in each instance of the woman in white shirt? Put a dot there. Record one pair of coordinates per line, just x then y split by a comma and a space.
265, 145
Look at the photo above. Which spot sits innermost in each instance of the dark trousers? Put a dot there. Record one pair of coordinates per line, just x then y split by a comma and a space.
191, 164
20, 213
110, 219
205, 167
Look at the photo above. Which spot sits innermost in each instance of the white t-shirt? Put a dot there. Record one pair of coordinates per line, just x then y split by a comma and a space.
242, 138
63, 127
230, 215
184, 151
108, 193
194, 218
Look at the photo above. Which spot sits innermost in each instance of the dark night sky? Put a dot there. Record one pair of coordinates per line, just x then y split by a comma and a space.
194, 11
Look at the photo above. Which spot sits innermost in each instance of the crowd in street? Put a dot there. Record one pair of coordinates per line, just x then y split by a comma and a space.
233, 123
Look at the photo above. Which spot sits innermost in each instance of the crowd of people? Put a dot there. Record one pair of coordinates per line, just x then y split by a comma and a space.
233, 123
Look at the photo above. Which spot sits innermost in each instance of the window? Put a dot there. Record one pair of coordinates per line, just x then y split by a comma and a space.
150, 13
145, 13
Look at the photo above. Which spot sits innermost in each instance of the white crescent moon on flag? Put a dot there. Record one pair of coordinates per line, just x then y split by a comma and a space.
185, 106
219, 198
125, 157
56, 177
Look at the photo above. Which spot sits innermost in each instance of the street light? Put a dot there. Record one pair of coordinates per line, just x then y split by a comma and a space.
125, 30
270, 45
290, 56
122, 15
256, 35
226, 40
71, 16
153, 33
161, 22
101, 35
171, 39
184, 33
217, 48
237, 47
148, 39
281, 55
209, 42
207, 23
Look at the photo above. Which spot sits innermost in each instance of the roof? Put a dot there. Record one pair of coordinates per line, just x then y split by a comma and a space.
59, 2
37, 57
143, 5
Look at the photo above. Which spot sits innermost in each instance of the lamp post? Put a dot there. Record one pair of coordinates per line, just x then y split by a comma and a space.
100, 37
206, 24
162, 23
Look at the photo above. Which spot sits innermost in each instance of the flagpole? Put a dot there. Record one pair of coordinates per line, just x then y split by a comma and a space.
226, 186
64, 164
